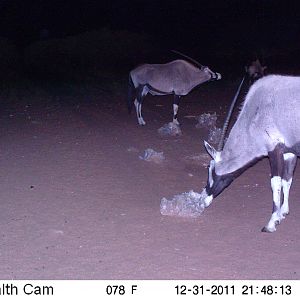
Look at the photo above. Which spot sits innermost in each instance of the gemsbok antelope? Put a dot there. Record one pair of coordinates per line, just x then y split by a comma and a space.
177, 77
268, 126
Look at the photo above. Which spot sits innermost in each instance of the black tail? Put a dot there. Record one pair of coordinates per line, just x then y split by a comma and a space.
130, 94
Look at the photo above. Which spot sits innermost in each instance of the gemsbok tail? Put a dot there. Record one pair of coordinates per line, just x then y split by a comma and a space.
130, 94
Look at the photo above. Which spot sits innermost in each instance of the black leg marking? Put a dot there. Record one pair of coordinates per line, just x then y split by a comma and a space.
277, 161
176, 99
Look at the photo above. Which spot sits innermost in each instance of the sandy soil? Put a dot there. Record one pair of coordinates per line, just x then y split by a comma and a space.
76, 202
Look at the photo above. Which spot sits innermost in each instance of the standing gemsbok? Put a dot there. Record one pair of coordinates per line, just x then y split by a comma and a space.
268, 126
177, 77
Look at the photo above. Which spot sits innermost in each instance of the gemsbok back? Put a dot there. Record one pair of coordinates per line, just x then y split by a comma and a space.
268, 126
177, 77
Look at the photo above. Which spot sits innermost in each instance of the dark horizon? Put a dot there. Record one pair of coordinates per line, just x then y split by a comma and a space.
222, 34
246, 24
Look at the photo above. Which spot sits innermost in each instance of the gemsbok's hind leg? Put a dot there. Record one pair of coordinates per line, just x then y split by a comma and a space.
141, 92
290, 161
175, 109
277, 170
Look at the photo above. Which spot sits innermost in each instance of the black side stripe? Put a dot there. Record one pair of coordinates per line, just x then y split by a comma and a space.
156, 90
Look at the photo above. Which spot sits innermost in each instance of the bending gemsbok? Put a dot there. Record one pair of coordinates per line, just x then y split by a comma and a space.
268, 126
177, 77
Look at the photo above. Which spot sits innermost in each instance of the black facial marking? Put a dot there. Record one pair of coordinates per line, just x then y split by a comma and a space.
220, 182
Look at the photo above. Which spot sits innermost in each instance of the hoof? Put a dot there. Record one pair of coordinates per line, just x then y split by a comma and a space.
265, 229
268, 230
142, 123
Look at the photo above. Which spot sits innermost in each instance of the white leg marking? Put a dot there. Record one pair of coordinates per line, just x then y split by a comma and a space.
175, 110
288, 156
141, 120
276, 184
136, 104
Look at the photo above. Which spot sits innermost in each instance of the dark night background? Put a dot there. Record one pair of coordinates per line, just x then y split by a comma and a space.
43, 37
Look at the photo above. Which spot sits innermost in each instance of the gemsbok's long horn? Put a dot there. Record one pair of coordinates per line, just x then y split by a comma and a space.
225, 126
191, 59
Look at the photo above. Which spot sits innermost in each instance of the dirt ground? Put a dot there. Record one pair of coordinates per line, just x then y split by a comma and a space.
76, 202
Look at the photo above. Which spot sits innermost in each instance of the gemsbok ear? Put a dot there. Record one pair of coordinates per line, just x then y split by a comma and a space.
211, 150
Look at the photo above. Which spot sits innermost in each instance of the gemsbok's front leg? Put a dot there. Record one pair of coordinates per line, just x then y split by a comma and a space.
290, 161
175, 109
138, 104
277, 169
